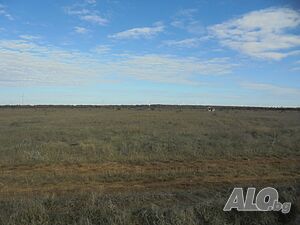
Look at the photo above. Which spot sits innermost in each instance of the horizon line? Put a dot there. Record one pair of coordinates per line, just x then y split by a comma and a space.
149, 105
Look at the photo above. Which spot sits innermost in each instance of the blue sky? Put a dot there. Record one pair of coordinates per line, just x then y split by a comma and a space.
227, 52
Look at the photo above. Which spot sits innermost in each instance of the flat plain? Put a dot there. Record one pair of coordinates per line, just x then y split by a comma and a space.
144, 164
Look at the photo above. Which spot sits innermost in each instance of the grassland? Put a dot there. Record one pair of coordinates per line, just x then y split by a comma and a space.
144, 165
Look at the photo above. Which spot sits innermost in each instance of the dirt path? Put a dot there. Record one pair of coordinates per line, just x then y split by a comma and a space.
110, 177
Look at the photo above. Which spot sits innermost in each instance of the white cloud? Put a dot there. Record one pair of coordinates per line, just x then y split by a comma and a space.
93, 18
20, 45
29, 37
81, 30
91, 1
274, 89
76, 11
102, 49
27, 63
295, 69
185, 43
190, 43
3, 12
185, 19
88, 15
262, 34
296, 66
171, 69
139, 32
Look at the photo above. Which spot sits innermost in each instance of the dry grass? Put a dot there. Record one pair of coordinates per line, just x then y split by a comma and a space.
143, 165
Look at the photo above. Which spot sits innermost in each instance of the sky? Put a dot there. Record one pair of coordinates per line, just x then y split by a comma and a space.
223, 52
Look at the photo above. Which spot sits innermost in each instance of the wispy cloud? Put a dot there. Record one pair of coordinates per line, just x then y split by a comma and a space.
185, 19
102, 49
171, 69
81, 30
295, 69
274, 89
28, 63
91, 1
262, 34
296, 66
29, 37
189, 42
139, 32
185, 43
92, 16
4, 12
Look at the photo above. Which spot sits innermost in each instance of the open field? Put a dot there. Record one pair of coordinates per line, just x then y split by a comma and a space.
144, 165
